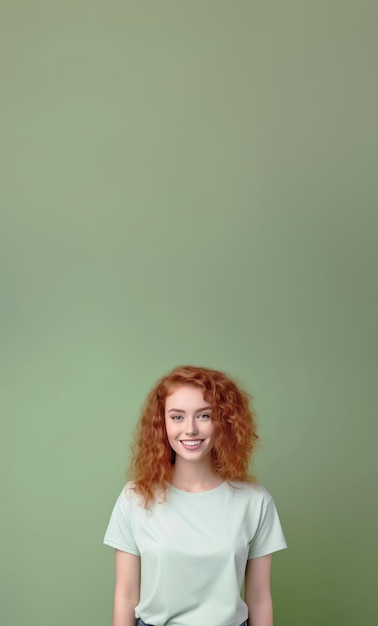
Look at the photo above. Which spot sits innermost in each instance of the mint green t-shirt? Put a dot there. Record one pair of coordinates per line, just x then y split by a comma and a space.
194, 548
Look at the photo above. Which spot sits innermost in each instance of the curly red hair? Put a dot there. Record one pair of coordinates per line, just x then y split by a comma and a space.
234, 427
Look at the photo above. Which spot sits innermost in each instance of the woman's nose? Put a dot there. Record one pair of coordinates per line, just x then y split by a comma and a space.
191, 428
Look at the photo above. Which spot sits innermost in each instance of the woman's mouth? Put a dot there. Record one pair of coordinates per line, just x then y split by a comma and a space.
191, 444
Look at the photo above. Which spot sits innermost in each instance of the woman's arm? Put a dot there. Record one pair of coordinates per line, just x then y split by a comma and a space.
258, 596
127, 588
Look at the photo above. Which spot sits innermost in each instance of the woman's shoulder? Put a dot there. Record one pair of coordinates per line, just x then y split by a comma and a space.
251, 491
134, 496
129, 488
129, 492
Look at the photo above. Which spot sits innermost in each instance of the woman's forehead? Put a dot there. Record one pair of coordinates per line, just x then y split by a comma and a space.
186, 395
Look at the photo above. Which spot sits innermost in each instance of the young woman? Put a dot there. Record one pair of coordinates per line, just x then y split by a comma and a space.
192, 526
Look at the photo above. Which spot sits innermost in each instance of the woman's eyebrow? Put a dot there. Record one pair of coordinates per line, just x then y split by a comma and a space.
204, 408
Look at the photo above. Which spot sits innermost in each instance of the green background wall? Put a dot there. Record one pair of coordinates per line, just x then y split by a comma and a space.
187, 182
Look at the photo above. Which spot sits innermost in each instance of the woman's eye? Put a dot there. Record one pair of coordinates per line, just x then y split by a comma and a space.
204, 416
176, 418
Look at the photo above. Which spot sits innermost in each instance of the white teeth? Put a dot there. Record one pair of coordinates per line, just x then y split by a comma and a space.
192, 443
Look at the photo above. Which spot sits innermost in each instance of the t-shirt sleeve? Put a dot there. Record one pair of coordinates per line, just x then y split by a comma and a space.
269, 536
119, 532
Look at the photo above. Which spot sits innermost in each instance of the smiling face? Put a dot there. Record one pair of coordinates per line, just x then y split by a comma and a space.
188, 423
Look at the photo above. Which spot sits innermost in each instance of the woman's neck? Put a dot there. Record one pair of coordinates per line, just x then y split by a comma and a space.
194, 477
